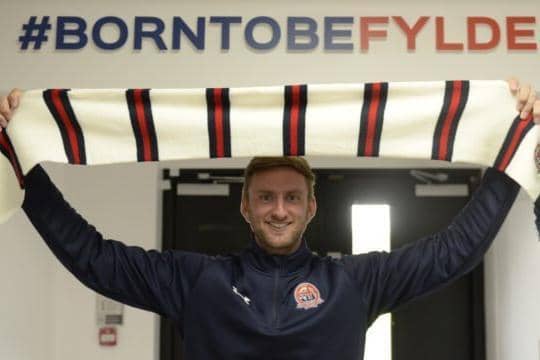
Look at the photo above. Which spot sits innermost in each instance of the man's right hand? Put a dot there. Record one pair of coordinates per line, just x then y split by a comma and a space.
7, 105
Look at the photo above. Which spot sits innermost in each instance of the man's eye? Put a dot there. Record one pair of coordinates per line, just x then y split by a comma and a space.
265, 197
294, 197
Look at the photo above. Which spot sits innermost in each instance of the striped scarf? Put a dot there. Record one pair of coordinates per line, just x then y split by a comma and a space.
472, 122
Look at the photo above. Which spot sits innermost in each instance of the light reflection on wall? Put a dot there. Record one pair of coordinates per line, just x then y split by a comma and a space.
371, 232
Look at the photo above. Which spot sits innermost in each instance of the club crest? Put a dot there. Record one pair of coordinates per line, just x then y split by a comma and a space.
307, 296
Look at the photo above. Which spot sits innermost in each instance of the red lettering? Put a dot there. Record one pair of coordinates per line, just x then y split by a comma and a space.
411, 33
514, 33
441, 43
366, 33
472, 24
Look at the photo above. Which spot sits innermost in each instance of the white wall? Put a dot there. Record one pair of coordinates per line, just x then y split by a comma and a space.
26, 304
512, 291
46, 314
123, 200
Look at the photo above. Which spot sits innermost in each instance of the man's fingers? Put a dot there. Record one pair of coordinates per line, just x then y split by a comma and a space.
4, 108
528, 107
9, 103
536, 112
513, 83
523, 95
3, 122
13, 98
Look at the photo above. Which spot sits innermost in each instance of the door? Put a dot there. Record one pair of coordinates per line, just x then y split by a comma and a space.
445, 325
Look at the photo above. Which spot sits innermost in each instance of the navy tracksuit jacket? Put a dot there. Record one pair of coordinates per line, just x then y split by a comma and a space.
260, 306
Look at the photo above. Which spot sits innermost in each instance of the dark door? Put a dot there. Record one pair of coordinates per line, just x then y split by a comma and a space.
446, 325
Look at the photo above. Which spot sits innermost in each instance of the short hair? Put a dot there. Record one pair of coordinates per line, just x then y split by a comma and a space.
260, 163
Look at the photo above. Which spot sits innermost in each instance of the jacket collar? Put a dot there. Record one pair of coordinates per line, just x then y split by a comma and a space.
258, 258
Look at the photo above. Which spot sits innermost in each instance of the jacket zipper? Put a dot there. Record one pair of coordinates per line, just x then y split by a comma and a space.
276, 278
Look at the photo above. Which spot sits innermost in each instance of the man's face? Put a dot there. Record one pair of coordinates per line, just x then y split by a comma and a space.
278, 209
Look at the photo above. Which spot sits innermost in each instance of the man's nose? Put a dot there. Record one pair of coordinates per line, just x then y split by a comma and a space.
279, 210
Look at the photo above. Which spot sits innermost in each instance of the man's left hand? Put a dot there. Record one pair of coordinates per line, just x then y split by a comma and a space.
527, 101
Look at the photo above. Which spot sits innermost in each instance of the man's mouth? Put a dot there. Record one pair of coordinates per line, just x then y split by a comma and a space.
277, 226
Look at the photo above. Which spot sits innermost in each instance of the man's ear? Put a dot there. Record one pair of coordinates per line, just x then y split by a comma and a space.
244, 208
312, 208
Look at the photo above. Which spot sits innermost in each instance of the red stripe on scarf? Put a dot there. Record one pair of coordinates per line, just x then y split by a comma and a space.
218, 118
514, 142
372, 118
450, 118
12, 159
295, 113
142, 121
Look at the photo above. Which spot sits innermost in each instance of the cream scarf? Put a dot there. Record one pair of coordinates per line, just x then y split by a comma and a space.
458, 121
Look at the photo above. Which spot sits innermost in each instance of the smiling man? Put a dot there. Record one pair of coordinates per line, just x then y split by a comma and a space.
275, 300
278, 202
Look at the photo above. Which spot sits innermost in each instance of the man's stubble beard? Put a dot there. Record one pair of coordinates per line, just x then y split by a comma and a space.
293, 241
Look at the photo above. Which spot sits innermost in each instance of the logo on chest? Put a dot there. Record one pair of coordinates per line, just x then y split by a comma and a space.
307, 296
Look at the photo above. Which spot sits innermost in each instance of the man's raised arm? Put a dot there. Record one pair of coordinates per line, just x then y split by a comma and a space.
388, 280
150, 280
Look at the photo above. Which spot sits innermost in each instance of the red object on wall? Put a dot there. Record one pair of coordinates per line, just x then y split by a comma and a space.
107, 336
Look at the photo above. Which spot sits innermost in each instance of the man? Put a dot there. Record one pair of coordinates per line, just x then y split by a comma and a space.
275, 300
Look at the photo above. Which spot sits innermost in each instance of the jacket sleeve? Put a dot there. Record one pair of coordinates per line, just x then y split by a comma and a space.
149, 280
388, 280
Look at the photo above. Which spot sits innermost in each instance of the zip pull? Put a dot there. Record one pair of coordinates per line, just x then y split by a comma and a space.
245, 298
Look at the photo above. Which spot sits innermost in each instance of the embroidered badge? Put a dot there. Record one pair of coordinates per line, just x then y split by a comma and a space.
307, 296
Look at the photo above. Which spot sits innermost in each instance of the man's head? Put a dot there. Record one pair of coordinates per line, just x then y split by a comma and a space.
278, 201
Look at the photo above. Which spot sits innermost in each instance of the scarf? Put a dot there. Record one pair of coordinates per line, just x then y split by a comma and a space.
473, 122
